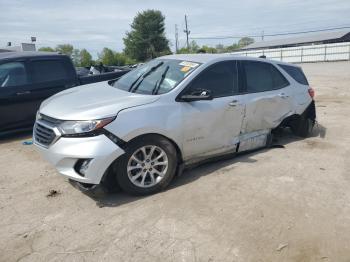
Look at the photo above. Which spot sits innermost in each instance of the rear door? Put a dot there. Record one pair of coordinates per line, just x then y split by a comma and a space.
301, 86
14, 94
268, 96
49, 76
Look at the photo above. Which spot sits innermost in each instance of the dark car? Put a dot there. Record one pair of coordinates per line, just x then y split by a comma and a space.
28, 78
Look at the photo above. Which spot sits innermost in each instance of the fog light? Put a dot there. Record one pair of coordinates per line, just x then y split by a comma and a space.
82, 166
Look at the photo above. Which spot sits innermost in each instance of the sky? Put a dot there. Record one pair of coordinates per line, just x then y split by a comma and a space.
97, 24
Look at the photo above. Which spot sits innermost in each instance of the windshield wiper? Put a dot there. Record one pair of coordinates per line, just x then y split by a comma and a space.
142, 77
157, 85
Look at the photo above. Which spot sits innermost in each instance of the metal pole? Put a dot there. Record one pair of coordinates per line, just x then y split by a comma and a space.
281, 55
302, 53
176, 39
325, 53
187, 33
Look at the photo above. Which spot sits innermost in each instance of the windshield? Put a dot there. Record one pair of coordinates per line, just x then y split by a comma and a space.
158, 76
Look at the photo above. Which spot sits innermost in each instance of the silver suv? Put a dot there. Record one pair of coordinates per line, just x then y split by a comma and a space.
171, 112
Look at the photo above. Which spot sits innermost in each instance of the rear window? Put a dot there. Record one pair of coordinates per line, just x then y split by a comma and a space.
296, 73
49, 70
262, 77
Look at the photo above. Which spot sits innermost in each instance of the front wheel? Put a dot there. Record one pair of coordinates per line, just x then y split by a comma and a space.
148, 165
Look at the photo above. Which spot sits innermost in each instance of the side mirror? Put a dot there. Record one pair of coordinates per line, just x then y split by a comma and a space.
112, 81
197, 95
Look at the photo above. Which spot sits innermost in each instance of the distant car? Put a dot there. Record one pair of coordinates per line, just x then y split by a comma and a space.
28, 78
82, 71
169, 113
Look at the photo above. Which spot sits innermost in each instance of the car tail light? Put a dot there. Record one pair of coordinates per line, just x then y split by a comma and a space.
311, 92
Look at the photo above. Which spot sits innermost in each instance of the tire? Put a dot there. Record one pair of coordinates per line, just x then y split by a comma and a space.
303, 126
148, 165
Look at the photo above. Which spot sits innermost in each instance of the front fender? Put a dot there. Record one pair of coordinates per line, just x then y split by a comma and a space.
157, 118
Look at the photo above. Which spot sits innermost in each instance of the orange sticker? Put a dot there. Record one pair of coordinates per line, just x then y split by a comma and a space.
185, 69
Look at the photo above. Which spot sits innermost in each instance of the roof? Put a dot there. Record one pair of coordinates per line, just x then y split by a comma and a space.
206, 58
299, 40
9, 55
199, 58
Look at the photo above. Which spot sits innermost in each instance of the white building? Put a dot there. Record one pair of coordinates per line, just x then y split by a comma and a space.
19, 48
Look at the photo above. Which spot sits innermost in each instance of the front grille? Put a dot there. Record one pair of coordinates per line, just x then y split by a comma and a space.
49, 120
44, 133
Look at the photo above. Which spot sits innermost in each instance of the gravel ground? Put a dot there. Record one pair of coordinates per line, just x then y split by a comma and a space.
281, 204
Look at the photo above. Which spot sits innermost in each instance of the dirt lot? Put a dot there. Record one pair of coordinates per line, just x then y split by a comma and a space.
281, 204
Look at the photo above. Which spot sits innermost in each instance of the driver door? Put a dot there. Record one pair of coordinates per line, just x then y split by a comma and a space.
212, 126
14, 95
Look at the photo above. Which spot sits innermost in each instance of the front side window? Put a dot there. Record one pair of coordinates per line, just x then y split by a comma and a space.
220, 79
158, 76
260, 77
13, 74
49, 70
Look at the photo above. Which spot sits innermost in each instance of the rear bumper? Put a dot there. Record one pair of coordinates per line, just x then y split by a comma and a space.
66, 152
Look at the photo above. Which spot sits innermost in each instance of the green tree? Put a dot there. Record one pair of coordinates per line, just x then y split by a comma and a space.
46, 49
147, 39
193, 48
232, 48
76, 57
209, 50
107, 57
245, 41
183, 50
66, 49
85, 58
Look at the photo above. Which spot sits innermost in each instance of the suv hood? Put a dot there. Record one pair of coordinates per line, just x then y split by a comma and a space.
93, 101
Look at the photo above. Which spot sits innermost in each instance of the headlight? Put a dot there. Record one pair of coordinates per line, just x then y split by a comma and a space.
38, 116
81, 127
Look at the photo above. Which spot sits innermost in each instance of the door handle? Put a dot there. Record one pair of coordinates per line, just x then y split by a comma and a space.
23, 93
233, 103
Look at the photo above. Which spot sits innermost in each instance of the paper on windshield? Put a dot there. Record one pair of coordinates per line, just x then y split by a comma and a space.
188, 64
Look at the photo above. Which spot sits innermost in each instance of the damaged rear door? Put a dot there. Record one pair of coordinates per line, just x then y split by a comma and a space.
268, 96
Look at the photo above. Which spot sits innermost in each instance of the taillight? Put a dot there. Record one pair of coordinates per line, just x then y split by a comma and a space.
311, 92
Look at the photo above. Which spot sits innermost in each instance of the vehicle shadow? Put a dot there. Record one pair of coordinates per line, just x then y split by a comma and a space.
282, 137
15, 136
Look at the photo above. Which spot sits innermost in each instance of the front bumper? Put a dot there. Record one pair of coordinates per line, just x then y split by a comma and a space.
66, 152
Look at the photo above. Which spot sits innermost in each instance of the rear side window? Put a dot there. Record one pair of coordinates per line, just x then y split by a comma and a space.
13, 74
49, 70
296, 73
220, 79
260, 77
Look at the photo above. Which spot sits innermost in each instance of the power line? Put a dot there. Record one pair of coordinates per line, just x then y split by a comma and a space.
275, 34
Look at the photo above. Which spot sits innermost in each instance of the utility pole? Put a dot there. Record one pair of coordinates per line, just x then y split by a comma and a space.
176, 40
187, 33
262, 35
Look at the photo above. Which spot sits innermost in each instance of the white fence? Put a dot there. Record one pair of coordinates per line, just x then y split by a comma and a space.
301, 54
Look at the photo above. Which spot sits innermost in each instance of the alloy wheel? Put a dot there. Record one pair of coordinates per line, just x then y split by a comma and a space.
147, 166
